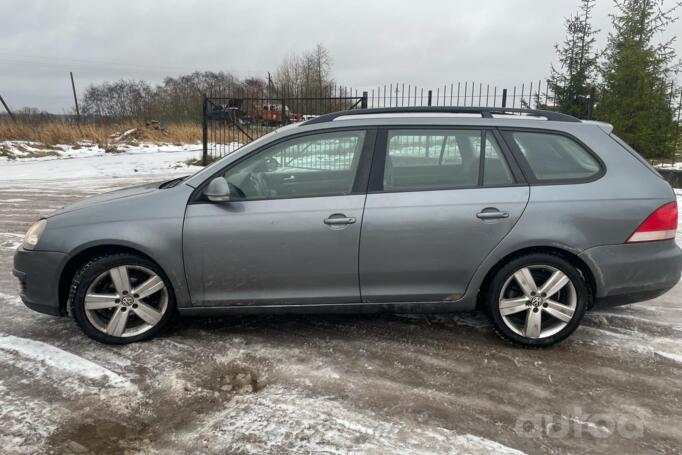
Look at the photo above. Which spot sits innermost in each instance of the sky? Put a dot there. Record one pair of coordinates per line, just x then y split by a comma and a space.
427, 43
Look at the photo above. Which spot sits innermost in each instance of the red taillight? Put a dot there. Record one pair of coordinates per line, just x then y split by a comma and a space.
660, 225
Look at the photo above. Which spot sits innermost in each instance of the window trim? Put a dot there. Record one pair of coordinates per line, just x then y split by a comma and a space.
376, 180
507, 135
360, 179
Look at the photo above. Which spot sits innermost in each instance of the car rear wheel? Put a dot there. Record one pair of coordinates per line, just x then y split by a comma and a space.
121, 298
537, 300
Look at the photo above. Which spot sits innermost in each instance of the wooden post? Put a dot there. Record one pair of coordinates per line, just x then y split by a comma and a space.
7, 109
75, 98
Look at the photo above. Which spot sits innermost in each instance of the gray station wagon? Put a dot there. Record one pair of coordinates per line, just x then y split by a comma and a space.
530, 216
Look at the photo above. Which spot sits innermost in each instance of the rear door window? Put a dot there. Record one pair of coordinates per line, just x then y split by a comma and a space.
496, 171
555, 157
442, 159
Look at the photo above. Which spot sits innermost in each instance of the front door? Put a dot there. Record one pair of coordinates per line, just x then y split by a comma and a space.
290, 232
444, 200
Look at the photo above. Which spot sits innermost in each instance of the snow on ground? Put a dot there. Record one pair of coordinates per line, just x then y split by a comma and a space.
10, 241
262, 423
676, 166
23, 151
93, 162
86, 161
55, 358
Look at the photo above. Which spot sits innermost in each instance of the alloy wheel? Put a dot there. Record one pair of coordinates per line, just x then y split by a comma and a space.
126, 301
537, 301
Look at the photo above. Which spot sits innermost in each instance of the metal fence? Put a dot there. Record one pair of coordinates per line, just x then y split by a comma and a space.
233, 119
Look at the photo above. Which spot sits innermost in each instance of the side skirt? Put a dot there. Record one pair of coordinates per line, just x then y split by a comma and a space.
333, 308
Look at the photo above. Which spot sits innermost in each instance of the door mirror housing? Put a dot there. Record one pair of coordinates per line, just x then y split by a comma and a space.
218, 190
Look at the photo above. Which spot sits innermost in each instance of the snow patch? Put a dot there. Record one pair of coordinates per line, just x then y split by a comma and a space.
668, 355
11, 299
10, 241
61, 360
277, 420
676, 166
119, 137
91, 161
26, 423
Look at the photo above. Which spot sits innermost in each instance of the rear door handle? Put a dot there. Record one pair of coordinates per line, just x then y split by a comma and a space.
336, 220
491, 214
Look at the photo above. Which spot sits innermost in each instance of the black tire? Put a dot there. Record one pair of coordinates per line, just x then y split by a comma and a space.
95, 267
495, 288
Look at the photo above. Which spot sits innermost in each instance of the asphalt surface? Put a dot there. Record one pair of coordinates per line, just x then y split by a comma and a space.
321, 384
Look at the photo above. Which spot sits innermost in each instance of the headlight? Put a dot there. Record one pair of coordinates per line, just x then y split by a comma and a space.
33, 234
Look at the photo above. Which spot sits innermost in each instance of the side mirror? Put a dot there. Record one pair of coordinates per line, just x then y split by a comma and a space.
218, 190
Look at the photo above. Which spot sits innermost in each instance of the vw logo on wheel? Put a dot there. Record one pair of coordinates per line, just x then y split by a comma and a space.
536, 301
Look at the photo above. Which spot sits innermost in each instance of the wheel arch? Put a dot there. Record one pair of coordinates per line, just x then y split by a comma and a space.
583, 268
79, 259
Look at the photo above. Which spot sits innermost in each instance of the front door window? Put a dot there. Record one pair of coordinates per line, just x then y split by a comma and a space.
322, 164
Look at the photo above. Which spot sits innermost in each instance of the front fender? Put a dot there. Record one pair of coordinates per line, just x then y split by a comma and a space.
151, 225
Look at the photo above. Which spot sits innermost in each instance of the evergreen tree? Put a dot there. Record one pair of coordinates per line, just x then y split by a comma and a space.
638, 74
572, 81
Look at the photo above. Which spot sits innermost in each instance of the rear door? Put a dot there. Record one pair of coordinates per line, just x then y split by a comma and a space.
440, 200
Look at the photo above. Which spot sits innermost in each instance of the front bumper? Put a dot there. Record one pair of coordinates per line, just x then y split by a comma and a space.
634, 272
38, 273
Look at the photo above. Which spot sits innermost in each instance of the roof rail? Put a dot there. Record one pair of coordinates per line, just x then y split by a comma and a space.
486, 112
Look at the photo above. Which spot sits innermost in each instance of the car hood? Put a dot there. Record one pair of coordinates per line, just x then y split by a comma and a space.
108, 197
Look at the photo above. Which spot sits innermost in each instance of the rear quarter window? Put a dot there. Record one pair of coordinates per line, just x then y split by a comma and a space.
554, 157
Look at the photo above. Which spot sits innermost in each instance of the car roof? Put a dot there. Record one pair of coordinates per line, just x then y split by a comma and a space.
441, 116
436, 111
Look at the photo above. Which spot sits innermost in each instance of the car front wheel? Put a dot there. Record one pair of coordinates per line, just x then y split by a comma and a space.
121, 298
537, 300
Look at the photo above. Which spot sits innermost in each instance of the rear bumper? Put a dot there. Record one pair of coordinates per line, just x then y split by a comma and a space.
38, 273
634, 272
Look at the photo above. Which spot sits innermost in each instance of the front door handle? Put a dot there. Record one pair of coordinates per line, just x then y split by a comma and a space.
339, 219
491, 213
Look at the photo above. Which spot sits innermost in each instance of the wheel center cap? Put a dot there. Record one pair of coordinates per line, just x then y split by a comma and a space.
536, 301
127, 300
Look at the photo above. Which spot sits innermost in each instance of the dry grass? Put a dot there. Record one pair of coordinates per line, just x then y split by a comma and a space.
53, 133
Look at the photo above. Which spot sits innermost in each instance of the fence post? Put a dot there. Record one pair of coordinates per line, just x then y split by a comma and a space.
75, 98
7, 109
504, 97
204, 131
285, 120
363, 103
429, 100
590, 103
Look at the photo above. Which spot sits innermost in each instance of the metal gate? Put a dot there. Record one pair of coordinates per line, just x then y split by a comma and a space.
230, 122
